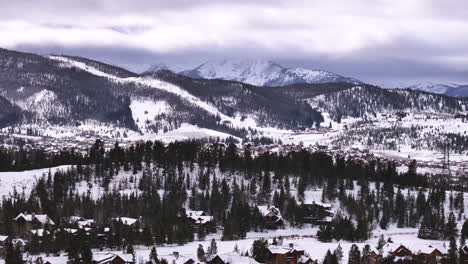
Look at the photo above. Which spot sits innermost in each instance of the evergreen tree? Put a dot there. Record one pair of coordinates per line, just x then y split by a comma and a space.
338, 252
366, 255
452, 251
330, 258
464, 233
200, 253
354, 255
213, 249
260, 250
13, 254
201, 232
451, 227
153, 257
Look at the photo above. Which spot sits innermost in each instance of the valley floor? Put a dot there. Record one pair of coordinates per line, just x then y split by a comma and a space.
302, 238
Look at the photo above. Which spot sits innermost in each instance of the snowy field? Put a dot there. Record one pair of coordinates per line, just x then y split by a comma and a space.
22, 182
300, 238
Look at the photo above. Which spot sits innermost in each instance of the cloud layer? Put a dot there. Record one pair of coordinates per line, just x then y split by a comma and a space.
370, 39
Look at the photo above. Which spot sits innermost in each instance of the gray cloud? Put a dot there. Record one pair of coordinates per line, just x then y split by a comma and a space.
380, 41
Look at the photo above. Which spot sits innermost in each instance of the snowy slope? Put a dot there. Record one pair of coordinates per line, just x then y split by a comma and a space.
262, 73
22, 182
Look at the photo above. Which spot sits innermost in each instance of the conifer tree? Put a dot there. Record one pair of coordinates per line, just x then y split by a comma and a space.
338, 252
200, 253
366, 255
452, 251
354, 255
260, 250
153, 257
330, 258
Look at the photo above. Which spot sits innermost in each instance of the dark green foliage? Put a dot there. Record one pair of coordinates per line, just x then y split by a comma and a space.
260, 250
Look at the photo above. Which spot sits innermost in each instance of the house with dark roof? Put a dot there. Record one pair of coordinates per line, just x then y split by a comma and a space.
317, 213
25, 223
286, 255
272, 216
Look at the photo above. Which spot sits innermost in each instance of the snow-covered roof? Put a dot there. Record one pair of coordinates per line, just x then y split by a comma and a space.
104, 257
202, 219
85, 222
191, 213
19, 241
39, 232
284, 249
415, 248
324, 205
126, 220
3, 238
70, 230
427, 249
43, 219
175, 258
303, 259
235, 258
266, 210
74, 219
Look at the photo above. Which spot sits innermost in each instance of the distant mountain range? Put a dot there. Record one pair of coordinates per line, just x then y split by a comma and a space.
70, 96
257, 72
269, 73
449, 89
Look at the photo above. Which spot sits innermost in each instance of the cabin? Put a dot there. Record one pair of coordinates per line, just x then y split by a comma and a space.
127, 221
317, 213
132, 223
402, 253
284, 255
374, 257
431, 252
80, 222
24, 223
272, 216
20, 243
198, 217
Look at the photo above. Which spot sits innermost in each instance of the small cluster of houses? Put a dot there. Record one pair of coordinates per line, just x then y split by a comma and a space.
426, 253
26, 226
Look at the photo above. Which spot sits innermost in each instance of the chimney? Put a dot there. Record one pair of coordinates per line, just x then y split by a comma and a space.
176, 254
33, 215
291, 245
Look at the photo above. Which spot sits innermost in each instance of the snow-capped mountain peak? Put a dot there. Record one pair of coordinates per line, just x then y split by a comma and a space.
261, 73
159, 67
256, 72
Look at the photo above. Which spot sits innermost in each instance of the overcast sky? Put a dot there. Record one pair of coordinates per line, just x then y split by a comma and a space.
381, 41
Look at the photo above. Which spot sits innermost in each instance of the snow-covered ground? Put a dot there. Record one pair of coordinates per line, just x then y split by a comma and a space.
300, 239
23, 181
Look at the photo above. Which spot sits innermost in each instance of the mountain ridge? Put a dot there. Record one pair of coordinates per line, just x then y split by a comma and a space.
450, 89
258, 72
